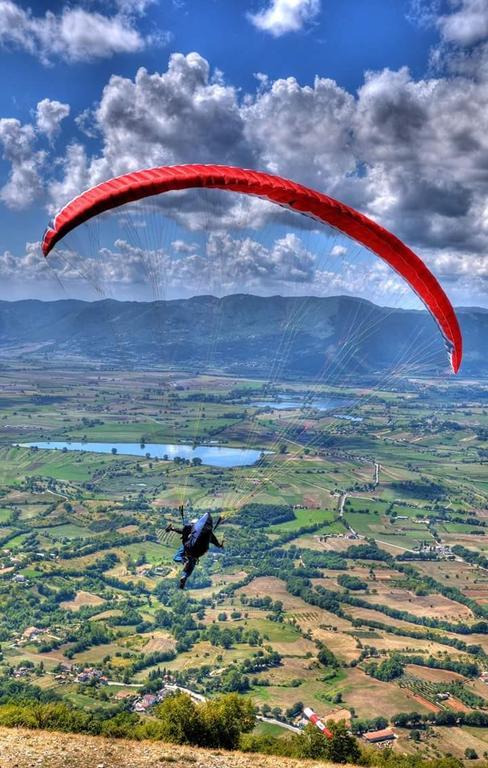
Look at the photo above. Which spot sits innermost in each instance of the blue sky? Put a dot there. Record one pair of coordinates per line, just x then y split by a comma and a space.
382, 104
341, 42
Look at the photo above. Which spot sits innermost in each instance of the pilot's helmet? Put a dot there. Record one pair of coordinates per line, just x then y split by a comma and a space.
195, 520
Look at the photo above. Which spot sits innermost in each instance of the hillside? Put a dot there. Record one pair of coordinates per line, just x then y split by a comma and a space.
238, 334
21, 748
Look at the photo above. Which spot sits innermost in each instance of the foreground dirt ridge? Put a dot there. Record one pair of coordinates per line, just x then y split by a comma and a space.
21, 748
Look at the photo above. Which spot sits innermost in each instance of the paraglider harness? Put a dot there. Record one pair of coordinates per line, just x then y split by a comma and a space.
196, 538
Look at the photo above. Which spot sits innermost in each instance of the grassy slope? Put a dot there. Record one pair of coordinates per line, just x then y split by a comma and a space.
23, 748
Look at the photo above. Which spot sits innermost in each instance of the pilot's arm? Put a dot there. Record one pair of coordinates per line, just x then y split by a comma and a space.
176, 530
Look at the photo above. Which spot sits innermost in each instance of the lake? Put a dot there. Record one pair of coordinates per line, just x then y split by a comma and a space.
347, 417
213, 456
319, 404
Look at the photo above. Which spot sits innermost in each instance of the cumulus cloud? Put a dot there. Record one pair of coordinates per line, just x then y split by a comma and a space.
461, 267
221, 264
74, 34
180, 115
17, 142
338, 250
424, 144
76, 176
49, 116
409, 152
467, 25
303, 131
281, 16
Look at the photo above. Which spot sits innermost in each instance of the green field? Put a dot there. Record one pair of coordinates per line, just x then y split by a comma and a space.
87, 532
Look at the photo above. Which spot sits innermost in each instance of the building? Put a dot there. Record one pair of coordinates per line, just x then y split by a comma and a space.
22, 671
89, 674
32, 634
376, 737
147, 701
197, 697
121, 695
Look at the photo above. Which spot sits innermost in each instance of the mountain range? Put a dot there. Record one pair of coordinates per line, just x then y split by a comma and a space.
243, 334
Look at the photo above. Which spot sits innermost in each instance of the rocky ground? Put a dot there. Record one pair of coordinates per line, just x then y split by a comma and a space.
21, 748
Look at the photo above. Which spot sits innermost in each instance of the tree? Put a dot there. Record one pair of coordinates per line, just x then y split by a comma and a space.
327, 658
387, 670
293, 711
180, 720
470, 753
342, 747
225, 719
351, 582
311, 743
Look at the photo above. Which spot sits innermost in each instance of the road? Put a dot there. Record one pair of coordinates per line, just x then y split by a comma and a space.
200, 697
376, 474
272, 721
341, 515
397, 546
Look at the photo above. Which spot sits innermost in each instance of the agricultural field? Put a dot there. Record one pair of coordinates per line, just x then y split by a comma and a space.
353, 577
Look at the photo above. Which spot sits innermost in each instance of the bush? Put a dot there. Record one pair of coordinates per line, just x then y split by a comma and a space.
327, 658
309, 744
351, 582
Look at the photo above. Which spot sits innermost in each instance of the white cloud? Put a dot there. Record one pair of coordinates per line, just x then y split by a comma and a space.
181, 115
282, 16
76, 176
49, 116
460, 267
303, 131
423, 144
467, 25
222, 264
74, 34
23, 185
424, 13
409, 152
134, 6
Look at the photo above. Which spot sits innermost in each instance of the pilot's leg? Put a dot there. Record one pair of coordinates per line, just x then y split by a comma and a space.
188, 569
180, 555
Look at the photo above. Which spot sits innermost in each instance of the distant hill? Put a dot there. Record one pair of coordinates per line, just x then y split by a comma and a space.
240, 334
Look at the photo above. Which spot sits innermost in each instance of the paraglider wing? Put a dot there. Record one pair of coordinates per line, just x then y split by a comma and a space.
315, 720
154, 181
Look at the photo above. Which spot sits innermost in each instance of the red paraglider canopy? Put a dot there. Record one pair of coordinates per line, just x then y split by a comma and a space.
154, 181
